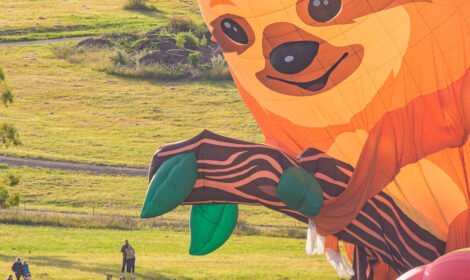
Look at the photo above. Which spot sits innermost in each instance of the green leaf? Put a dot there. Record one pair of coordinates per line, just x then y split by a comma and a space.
300, 191
211, 226
171, 185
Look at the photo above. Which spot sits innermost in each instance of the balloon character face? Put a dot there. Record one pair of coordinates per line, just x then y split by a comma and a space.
297, 58
379, 84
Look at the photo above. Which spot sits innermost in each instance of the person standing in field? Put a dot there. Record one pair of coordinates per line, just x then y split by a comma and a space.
26, 273
130, 256
124, 258
17, 268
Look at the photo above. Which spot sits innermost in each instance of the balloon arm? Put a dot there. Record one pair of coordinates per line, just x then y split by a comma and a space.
238, 172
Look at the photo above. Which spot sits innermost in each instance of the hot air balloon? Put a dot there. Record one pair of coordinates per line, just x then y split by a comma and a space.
365, 107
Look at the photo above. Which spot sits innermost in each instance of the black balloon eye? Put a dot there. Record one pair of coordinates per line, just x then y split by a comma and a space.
293, 57
324, 10
234, 31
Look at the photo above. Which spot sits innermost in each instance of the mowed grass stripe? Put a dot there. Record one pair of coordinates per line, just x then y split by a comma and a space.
80, 254
55, 190
22, 20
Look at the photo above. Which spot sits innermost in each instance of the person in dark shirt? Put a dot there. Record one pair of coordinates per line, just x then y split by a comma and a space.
17, 268
124, 247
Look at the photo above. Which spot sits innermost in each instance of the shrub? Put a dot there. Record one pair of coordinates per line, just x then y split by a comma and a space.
7, 200
120, 58
203, 41
3, 197
14, 200
138, 5
187, 40
182, 24
164, 32
9, 135
218, 63
201, 31
11, 180
194, 58
2, 75
7, 96
218, 69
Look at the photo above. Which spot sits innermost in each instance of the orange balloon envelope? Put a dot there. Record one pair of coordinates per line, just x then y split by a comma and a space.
375, 98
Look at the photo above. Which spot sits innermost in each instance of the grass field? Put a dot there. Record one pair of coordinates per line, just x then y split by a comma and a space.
67, 111
71, 112
45, 19
79, 254
84, 193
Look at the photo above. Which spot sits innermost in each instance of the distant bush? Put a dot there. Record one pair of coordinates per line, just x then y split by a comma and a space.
164, 32
7, 200
11, 180
187, 40
9, 135
182, 24
191, 62
194, 59
139, 5
203, 41
218, 69
120, 58
7, 96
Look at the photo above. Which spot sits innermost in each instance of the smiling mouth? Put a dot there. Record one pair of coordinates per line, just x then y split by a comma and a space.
317, 84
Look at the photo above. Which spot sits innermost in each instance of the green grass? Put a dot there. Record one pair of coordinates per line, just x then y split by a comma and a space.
67, 111
84, 193
79, 254
46, 19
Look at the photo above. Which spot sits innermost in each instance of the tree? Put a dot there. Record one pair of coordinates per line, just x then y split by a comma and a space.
8, 136
8, 200
8, 133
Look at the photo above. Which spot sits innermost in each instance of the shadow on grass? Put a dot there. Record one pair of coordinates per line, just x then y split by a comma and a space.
59, 262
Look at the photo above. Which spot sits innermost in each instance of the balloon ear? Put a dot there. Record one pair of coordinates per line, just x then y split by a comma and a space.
300, 191
171, 185
211, 225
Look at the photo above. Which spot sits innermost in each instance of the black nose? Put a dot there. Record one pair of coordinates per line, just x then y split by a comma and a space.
293, 57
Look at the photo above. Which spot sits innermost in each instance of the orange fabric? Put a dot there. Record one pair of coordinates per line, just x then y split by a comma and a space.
349, 248
383, 271
388, 154
459, 232
397, 107
332, 242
